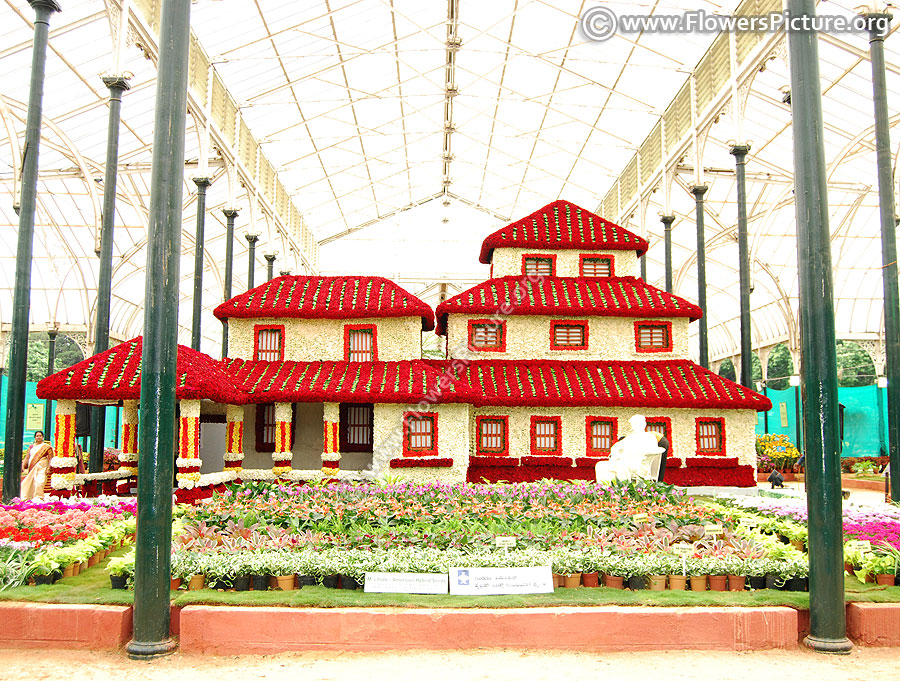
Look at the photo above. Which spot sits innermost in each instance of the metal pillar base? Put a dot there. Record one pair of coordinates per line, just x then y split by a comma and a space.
833, 646
148, 651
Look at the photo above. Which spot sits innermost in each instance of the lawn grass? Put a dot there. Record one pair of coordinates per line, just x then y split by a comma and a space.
92, 587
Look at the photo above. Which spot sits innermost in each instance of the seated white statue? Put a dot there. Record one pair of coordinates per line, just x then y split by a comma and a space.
631, 457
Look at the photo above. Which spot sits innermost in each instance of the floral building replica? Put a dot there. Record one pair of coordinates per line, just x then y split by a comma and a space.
546, 362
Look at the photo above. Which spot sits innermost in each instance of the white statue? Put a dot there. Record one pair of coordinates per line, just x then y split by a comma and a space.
633, 456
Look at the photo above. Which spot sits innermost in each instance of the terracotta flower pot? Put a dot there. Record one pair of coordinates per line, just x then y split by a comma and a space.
718, 582
557, 580
68, 571
613, 581
197, 582
657, 582
677, 582
698, 583
736, 582
572, 581
285, 582
590, 579
93, 560
76, 568
884, 580
848, 568
175, 583
797, 544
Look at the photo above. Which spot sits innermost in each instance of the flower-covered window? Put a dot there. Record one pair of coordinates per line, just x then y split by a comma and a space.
492, 435
568, 335
356, 427
535, 265
487, 334
601, 434
653, 336
265, 427
360, 343
663, 426
545, 434
596, 266
419, 434
710, 436
268, 345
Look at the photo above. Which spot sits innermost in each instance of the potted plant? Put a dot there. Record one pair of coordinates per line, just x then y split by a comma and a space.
799, 576
736, 571
257, 568
883, 567
121, 569
698, 573
755, 570
615, 570
44, 567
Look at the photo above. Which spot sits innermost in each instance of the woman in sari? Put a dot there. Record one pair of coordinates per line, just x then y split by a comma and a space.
36, 467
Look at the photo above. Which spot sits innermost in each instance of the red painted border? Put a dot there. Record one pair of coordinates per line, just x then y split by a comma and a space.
490, 452
601, 453
583, 323
546, 452
648, 322
267, 327
407, 449
596, 256
668, 423
543, 256
430, 462
360, 327
496, 322
716, 452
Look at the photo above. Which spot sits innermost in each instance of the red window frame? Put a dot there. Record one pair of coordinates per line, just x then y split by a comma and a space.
719, 450
262, 425
654, 324
408, 434
589, 422
471, 335
666, 423
540, 451
596, 256
361, 327
543, 256
259, 328
504, 421
344, 424
583, 323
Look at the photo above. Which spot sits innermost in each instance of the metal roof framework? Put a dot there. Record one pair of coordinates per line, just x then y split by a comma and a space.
326, 122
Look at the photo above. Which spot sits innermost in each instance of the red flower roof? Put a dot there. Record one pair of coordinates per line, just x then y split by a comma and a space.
116, 375
394, 382
649, 384
592, 296
327, 298
561, 225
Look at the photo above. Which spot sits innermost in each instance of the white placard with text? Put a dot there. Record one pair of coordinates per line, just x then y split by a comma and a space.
498, 581
406, 583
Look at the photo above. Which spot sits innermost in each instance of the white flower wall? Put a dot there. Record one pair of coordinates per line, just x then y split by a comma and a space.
507, 262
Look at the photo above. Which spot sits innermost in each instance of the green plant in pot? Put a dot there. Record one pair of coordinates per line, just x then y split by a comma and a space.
121, 570
44, 567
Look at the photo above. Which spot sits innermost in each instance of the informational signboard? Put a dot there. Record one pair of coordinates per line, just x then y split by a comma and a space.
406, 583
466, 581
505, 542
34, 416
782, 410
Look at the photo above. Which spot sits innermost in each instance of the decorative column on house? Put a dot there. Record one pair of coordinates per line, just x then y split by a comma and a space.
62, 466
234, 438
128, 459
188, 462
331, 447
282, 455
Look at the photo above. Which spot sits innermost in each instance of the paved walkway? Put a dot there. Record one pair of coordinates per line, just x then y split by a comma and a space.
866, 664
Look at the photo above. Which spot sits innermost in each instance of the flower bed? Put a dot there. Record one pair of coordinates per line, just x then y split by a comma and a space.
41, 539
620, 529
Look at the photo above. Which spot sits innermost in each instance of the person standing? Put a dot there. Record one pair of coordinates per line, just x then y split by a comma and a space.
36, 468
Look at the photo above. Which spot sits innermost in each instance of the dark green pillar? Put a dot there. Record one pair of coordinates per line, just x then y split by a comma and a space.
827, 625
51, 368
202, 183
157, 441
739, 151
667, 221
18, 351
117, 85
230, 215
699, 191
879, 26
644, 267
270, 266
251, 252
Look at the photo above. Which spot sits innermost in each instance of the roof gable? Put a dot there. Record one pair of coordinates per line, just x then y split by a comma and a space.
311, 297
563, 225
